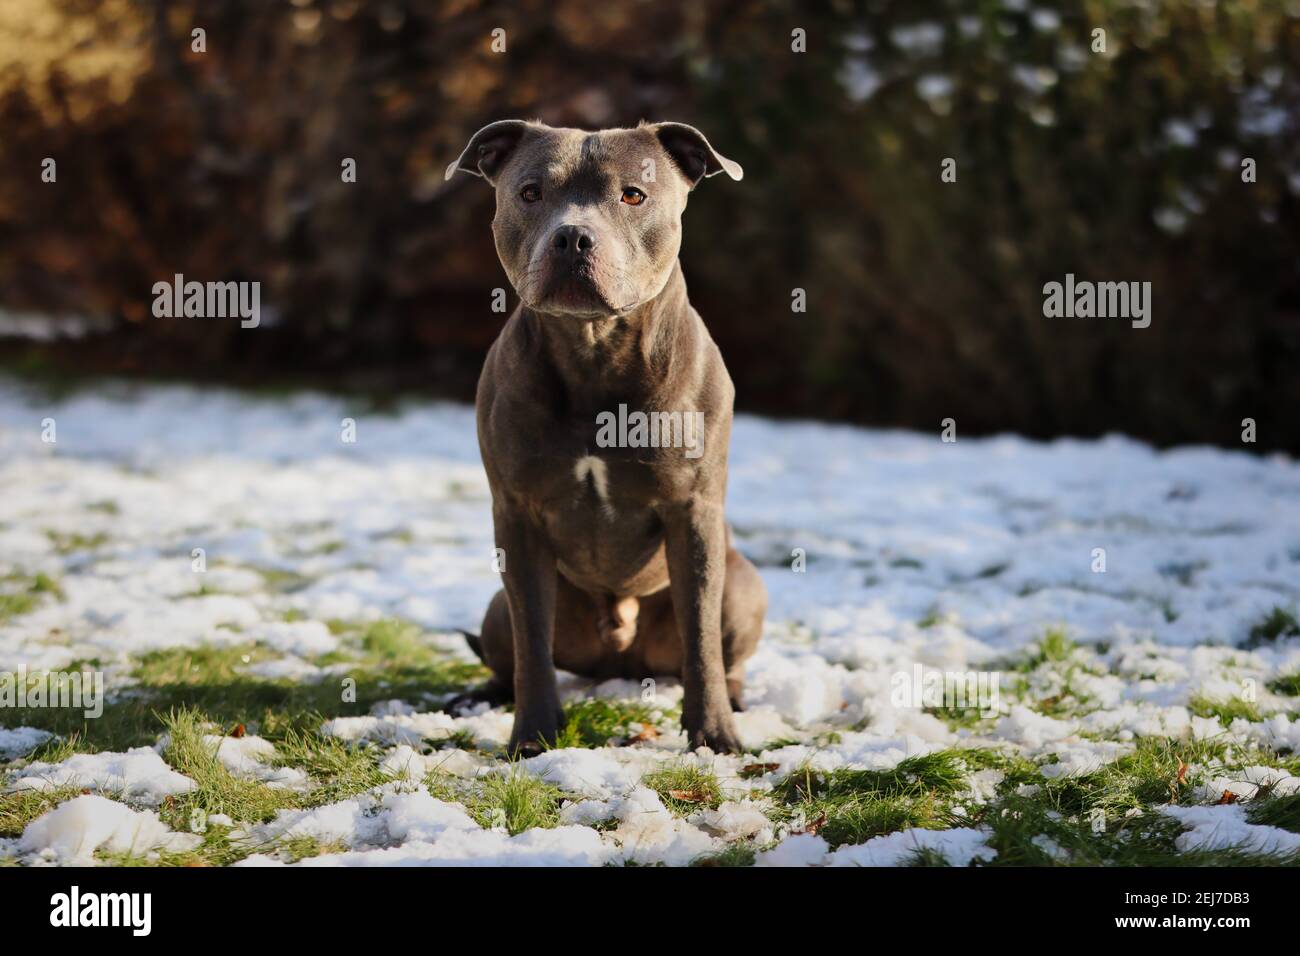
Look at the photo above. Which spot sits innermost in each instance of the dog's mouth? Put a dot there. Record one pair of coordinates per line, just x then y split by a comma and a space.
575, 290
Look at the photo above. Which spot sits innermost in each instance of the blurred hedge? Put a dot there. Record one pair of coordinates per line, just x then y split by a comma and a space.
924, 298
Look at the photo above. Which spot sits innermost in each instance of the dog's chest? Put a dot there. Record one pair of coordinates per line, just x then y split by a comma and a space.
591, 474
605, 485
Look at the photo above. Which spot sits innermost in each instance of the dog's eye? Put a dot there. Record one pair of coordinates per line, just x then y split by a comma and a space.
530, 193
633, 196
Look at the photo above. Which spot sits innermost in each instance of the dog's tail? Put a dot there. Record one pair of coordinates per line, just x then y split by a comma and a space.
475, 643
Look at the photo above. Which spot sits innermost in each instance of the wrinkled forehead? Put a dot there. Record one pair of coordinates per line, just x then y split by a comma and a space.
575, 159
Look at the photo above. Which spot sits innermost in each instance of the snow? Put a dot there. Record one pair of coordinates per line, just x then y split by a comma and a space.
960, 847
800, 849
407, 763
137, 776
592, 773
73, 831
647, 833
1225, 827
21, 741
562, 846
735, 820
246, 757
953, 557
487, 730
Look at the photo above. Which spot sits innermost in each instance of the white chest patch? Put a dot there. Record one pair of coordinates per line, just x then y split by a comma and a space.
591, 469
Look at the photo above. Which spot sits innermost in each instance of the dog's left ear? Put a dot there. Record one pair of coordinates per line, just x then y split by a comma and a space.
489, 149
693, 154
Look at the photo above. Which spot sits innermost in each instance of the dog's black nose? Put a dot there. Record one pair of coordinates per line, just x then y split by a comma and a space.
573, 241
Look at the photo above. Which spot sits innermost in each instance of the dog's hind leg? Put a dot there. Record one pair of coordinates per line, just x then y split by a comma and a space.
744, 602
495, 648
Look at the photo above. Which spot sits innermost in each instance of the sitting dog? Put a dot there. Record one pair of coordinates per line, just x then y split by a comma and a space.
615, 555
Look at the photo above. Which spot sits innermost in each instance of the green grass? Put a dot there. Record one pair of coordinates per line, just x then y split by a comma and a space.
217, 790
21, 594
300, 848
959, 718
943, 771
931, 618
393, 641
685, 788
390, 661
196, 666
927, 857
1046, 678
1123, 797
1281, 812
1278, 623
337, 772
514, 799
735, 854
1288, 685
69, 543
595, 722
187, 692
848, 807
1226, 710
1055, 647
1026, 830
57, 749
21, 807
280, 581
1148, 776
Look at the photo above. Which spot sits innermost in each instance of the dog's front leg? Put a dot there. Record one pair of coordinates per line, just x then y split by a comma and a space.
696, 545
529, 576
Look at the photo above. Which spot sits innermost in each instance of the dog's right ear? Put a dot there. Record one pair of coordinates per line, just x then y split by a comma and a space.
489, 149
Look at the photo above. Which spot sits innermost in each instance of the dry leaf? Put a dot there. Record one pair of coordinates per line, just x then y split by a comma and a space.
1228, 797
816, 824
688, 796
648, 732
758, 769
239, 730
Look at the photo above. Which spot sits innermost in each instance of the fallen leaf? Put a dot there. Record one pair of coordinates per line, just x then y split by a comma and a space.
688, 796
648, 732
239, 730
1182, 772
1228, 797
815, 825
758, 769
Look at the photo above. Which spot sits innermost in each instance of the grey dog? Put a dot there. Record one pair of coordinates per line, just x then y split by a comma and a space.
618, 561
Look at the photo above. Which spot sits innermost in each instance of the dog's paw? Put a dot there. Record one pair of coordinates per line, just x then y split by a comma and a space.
531, 737
526, 749
493, 693
718, 735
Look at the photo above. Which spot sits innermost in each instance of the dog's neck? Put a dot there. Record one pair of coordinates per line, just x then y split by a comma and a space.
619, 357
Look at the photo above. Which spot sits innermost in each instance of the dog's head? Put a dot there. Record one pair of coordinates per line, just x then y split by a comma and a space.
589, 224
